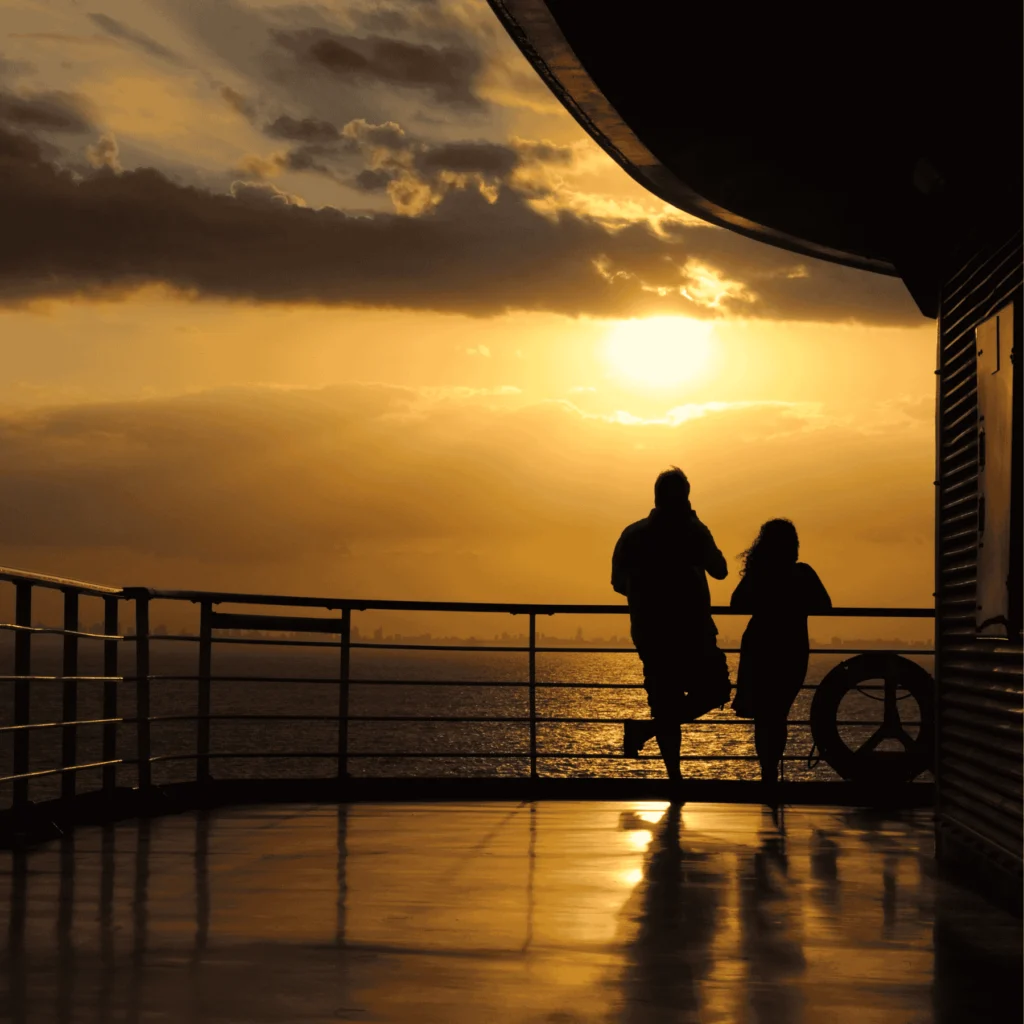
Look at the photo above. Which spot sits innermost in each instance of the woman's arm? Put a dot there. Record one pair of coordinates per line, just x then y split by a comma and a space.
815, 593
742, 596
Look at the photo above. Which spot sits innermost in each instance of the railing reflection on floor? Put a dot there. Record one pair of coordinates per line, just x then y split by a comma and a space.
715, 909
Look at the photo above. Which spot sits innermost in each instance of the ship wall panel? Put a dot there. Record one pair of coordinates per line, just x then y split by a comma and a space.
980, 707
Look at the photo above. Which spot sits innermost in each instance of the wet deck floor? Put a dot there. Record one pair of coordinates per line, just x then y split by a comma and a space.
487, 913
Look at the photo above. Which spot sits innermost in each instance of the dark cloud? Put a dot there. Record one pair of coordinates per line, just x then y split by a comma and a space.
16, 149
487, 158
544, 152
424, 172
308, 129
145, 43
104, 152
13, 68
45, 111
103, 232
319, 159
262, 193
371, 181
236, 100
388, 135
448, 73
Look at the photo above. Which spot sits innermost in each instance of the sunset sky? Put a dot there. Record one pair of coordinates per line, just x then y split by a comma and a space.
336, 299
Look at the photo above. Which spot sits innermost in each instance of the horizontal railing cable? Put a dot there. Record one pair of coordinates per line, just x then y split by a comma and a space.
472, 683
62, 724
60, 771
504, 719
438, 755
57, 679
484, 648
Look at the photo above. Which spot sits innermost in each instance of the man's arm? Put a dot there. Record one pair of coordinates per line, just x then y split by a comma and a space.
712, 561
620, 578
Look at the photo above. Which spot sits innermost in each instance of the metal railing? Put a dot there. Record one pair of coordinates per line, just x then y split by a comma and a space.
21, 725
337, 625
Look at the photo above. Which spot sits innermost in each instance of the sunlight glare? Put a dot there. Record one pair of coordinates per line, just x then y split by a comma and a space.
639, 840
652, 817
661, 351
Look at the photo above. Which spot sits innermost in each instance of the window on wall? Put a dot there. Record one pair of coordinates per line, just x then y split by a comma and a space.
999, 569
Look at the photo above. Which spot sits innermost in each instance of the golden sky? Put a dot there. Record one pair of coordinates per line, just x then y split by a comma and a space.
337, 299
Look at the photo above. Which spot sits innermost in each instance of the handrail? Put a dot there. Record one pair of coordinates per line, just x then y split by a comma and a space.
55, 582
526, 748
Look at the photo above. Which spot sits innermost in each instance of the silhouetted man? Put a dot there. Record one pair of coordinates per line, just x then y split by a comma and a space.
659, 565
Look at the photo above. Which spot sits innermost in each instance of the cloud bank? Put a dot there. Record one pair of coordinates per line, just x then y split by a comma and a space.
413, 106
477, 246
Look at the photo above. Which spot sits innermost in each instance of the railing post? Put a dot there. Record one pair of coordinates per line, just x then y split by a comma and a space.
203, 696
533, 695
22, 667
110, 670
346, 651
69, 669
144, 751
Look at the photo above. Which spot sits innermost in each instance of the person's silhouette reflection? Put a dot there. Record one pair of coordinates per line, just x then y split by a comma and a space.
106, 919
673, 913
134, 1000
770, 936
825, 870
66, 966
17, 966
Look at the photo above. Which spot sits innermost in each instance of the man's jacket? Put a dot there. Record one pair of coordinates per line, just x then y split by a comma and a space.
659, 565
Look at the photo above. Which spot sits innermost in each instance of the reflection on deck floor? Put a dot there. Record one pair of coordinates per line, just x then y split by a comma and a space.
487, 912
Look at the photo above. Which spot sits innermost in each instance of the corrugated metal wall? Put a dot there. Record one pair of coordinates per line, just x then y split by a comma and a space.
979, 757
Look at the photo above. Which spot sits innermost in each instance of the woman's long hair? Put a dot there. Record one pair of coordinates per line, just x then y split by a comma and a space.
776, 546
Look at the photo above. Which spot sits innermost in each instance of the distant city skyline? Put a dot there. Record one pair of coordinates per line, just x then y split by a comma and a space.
378, 634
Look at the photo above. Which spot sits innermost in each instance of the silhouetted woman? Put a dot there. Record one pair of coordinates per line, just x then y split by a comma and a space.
779, 593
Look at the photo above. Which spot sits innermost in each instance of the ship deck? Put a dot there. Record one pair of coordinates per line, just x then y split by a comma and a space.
559, 912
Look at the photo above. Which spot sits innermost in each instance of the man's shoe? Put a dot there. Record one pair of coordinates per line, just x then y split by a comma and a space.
633, 737
742, 707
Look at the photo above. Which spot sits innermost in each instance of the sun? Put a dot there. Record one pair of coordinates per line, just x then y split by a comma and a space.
662, 351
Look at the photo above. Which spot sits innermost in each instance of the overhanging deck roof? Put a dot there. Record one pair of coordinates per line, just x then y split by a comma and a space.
859, 135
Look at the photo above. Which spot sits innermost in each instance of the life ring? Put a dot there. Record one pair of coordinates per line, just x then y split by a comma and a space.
867, 763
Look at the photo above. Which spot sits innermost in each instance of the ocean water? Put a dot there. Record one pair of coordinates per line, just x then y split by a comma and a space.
408, 685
